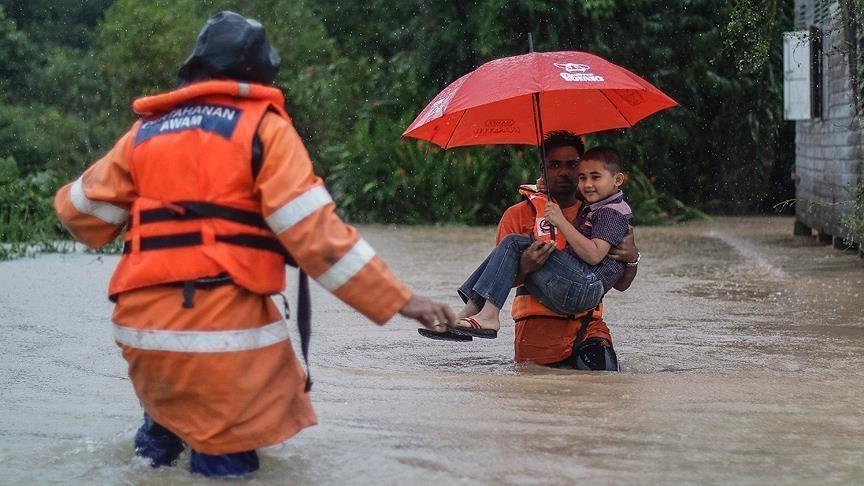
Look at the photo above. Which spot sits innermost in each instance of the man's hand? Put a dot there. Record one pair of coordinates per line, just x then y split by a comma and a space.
432, 315
534, 257
626, 250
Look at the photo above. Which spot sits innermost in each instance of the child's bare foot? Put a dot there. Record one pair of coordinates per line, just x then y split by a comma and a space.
469, 310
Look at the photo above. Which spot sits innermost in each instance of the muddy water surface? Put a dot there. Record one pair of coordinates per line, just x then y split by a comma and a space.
741, 350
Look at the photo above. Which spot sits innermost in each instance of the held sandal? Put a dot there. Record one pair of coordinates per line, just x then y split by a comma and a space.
447, 335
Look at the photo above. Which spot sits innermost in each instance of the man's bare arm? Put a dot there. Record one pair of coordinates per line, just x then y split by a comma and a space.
624, 282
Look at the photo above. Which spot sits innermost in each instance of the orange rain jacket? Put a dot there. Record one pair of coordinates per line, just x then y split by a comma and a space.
542, 336
222, 374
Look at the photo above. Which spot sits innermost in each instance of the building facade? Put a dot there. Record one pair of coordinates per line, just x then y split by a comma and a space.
822, 93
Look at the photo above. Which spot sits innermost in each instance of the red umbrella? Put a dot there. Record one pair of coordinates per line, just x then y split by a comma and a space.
516, 100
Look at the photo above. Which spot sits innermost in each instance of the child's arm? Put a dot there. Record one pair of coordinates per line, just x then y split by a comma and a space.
591, 251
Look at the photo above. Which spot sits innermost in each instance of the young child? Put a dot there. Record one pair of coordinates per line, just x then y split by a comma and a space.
572, 280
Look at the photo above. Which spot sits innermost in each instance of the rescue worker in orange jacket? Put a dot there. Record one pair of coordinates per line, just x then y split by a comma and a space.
542, 336
216, 191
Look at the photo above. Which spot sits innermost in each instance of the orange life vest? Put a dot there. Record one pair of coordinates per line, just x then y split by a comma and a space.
542, 228
197, 215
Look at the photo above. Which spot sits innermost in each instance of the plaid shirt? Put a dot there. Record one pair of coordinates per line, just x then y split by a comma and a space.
608, 220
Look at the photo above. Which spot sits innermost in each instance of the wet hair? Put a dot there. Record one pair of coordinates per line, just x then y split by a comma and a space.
609, 156
562, 138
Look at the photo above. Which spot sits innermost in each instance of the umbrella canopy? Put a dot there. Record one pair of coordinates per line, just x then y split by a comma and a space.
499, 102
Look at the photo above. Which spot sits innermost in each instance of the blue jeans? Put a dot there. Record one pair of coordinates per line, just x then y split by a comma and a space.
163, 447
564, 284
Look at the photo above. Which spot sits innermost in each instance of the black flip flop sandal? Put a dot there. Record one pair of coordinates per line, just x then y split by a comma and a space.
447, 335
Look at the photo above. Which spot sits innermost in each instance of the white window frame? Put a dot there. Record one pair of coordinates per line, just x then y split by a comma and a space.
796, 75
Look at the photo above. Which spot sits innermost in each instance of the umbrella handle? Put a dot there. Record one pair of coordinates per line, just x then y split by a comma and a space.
548, 194
539, 127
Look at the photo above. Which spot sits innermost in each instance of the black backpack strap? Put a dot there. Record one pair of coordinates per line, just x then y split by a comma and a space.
257, 155
304, 322
583, 329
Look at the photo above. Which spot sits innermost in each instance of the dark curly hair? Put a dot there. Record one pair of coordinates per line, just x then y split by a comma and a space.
563, 138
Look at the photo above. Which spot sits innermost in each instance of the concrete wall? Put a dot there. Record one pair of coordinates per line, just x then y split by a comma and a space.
829, 150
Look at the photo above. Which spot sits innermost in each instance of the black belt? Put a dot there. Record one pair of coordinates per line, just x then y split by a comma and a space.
205, 283
178, 240
188, 210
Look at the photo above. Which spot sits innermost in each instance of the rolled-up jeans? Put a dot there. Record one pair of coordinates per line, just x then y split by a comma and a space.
564, 284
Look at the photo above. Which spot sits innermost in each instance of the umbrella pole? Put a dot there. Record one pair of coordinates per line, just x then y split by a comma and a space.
539, 125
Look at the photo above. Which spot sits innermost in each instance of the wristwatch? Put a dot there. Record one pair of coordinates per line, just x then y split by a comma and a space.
633, 264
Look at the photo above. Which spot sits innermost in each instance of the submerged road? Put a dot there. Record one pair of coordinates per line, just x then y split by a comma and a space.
741, 349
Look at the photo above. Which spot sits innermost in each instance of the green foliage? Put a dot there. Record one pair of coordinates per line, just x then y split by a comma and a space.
27, 221
48, 92
52, 23
41, 137
16, 52
356, 73
852, 21
143, 44
854, 220
750, 32
722, 149
652, 207
8, 170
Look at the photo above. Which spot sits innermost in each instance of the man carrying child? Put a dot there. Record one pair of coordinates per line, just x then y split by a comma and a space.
557, 310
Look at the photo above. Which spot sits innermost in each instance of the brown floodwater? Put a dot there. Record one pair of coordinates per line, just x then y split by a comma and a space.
741, 350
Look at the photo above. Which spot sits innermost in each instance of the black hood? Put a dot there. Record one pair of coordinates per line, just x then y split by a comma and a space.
231, 46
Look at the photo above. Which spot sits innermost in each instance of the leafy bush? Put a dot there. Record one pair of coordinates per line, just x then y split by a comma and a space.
854, 220
355, 74
411, 182
41, 137
27, 221
652, 207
